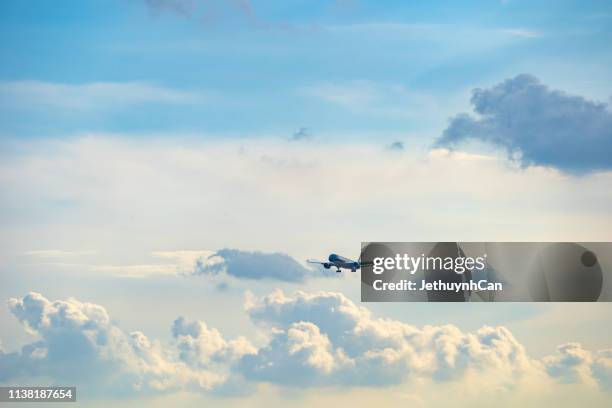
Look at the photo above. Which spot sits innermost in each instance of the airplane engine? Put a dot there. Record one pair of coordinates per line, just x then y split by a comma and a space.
327, 265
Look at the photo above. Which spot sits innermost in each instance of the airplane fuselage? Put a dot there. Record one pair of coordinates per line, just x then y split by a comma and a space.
341, 262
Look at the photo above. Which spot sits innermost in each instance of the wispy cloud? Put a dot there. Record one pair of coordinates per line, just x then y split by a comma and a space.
207, 11
521, 32
94, 95
439, 32
56, 253
219, 267
372, 98
136, 271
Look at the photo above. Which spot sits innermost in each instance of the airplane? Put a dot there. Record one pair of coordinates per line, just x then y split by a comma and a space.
338, 262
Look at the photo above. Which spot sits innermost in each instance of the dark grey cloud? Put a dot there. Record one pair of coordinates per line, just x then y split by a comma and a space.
254, 265
537, 125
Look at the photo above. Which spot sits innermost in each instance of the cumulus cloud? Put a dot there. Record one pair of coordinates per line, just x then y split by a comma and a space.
253, 265
314, 340
574, 364
80, 343
537, 125
346, 345
299, 355
200, 345
329, 340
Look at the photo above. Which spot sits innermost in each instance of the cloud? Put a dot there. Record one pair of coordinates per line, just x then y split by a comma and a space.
536, 125
322, 339
206, 11
521, 32
184, 7
93, 95
574, 364
79, 343
315, 340
56, 253
432, 33
219, 266
301, 134
300, 356
182, 263
339, 342
186, 186
366, 97
384, 99
200, 345
136, 271
396, 146
254, 265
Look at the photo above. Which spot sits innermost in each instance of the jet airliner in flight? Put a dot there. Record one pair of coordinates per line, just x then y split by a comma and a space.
338, 262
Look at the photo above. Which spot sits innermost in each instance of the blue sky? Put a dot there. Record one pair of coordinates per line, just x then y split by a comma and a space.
273, 66
151, 151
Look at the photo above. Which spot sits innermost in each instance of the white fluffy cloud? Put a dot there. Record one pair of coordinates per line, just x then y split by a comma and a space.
573, 364
347, 345
328, 340
79, 342
200, 346
315, 340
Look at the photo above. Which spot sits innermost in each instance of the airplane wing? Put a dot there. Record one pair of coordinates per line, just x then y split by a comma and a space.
316, 262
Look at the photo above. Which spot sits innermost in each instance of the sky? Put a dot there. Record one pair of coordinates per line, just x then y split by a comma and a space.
167, 166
